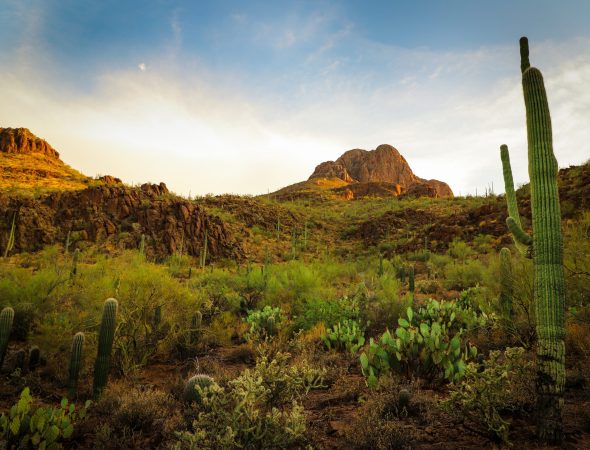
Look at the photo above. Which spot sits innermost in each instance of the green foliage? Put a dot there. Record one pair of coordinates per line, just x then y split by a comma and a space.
489, 392
427, 344
42, 428
459, 250
463, 276
6, 318
255, 411
346, 335
106, 337
264, 323
329, 312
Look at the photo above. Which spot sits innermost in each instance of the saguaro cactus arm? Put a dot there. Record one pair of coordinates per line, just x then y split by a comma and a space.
521, 239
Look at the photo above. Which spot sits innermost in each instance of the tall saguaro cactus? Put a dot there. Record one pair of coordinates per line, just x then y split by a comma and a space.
547, 252
106, 337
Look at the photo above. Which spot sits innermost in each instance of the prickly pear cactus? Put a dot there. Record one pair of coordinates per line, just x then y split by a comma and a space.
75, 362
6, 318
106, 337
191, 394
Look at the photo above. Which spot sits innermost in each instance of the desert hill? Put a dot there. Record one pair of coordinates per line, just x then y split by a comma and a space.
28, 162
358, 173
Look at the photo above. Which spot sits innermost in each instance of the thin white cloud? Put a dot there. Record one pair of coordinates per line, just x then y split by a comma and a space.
202, 134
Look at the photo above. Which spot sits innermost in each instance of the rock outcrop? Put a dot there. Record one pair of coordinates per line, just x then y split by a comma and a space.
382, 165
22, 141
115, 215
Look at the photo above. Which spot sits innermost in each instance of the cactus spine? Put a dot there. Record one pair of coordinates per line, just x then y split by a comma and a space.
190, 392
105, 346
6, 318
547, 252
506, 285
75, 362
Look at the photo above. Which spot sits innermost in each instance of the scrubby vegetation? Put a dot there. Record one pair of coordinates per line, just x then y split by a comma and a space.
348, 324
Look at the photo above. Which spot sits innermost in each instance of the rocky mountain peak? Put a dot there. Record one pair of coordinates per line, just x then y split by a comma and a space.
22, 141
385, 164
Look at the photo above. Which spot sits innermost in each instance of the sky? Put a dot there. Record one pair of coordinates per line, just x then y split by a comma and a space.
247, 97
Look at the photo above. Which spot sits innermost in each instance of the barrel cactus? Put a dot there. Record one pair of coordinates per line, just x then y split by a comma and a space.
546, 248
6, 318
75, 362
106, 337
191, 394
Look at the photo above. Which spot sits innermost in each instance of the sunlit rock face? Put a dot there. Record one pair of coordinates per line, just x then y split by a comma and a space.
383, 165
21, 140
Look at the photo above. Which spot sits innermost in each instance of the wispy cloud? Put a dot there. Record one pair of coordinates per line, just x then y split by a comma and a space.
171, 117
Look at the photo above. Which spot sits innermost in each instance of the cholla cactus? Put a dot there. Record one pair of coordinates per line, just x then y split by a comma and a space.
106, 337
6, 318
191, 394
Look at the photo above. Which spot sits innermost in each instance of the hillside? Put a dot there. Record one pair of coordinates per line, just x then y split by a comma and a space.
28, 163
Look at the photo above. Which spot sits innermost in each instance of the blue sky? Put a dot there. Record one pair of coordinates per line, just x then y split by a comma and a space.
247, 96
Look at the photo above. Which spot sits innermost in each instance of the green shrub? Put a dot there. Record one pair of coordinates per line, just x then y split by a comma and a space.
264, 323
428, 344
41, 428
459, 250
330, 312
488, 393
346, 335
253, 412
463, 276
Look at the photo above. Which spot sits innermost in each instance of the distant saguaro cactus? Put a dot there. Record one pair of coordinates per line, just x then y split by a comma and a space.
74, 269
6, 318
10, 242
106, 337
75, 362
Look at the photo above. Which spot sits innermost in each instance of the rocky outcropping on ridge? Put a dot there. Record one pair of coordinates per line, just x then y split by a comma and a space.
22, 141
382, 165
117, 215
